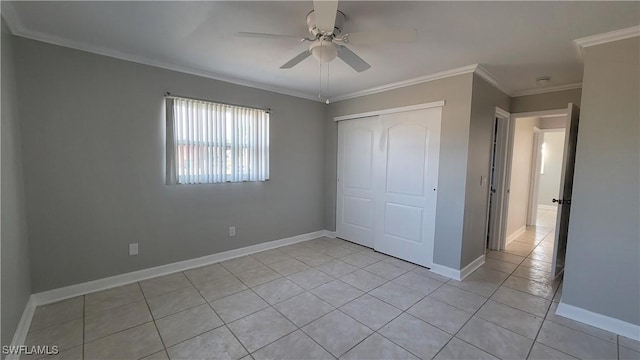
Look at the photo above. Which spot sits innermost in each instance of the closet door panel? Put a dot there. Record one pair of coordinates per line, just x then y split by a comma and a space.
355, 187
407, 202
406, 152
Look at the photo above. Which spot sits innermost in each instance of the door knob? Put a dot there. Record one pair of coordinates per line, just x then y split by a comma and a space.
559, 201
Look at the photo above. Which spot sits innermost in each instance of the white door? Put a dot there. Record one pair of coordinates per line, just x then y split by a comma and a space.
407, 182
355, 187
566, 188
497, 178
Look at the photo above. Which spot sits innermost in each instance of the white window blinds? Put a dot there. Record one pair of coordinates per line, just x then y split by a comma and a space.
209, 142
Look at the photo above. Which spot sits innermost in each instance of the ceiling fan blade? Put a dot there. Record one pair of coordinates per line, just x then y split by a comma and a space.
298, 58
352, 59
381, 36
325, 13
267, 35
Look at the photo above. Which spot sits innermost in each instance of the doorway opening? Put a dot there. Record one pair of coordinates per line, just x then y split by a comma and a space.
534, 181
548, 153
528, 211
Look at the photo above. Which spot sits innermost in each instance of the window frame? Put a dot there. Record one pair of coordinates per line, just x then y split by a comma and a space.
199, 132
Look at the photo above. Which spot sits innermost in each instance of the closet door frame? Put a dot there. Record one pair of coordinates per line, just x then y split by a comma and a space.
378, 113
429, 105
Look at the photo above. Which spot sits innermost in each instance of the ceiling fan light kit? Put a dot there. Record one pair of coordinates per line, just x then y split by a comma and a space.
324, 51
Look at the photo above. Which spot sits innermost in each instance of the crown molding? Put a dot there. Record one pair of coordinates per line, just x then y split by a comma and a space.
16, 27
404, 83
10, 16
475, 68
547, 89
19, 31
606, 37
482, 72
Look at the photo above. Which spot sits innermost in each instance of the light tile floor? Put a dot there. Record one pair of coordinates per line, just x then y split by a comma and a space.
546, 217
327, 299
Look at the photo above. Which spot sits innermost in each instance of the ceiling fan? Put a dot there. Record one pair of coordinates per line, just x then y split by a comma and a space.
325, 23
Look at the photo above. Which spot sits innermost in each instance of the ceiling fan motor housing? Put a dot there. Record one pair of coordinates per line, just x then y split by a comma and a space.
337, 28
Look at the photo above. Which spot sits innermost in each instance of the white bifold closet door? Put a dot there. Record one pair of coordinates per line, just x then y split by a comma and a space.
387, 182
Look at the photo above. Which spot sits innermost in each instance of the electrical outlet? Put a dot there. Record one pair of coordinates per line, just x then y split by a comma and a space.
232, 231
133, 249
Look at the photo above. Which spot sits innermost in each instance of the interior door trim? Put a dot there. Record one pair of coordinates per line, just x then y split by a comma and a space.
509, 159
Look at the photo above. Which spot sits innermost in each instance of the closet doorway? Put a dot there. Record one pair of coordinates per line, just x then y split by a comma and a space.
387, 180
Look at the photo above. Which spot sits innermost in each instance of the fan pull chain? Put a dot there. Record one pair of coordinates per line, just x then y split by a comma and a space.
327, 99
320, 93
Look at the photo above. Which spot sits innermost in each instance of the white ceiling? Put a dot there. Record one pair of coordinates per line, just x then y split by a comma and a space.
514, 41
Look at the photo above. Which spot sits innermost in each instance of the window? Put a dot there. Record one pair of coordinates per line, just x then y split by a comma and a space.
209, 142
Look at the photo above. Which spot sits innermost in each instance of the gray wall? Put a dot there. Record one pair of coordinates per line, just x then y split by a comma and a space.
520, 184
547, 101
485, 98
456, 91
93, 134
603, 250
16, 282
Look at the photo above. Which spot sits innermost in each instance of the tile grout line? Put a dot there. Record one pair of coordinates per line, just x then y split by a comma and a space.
81, 317
269, 305
535, 339
548, 308
405, 312
374, 331
401, 311
474, 314
273, 307
164, 346
368, 293
224, 323
133, 302
335, 308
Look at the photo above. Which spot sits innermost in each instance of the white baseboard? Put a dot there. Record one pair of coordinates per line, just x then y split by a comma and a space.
55, 295
516, 234
603, 322
473, 266
446, 271
458, 274
547, 207
330, 234
20, 336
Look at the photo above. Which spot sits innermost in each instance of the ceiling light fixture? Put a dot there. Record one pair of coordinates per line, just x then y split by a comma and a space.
324, 51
